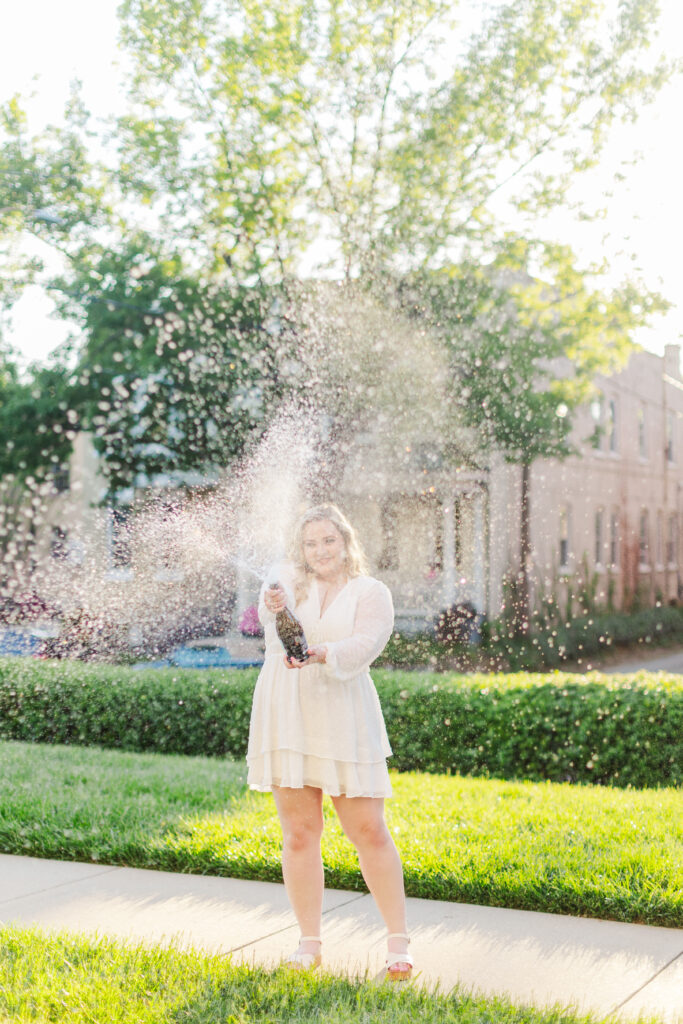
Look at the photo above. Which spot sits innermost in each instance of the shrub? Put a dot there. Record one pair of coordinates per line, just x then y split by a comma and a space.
580, 639
173, 711
249, 622
624, 731
457, 624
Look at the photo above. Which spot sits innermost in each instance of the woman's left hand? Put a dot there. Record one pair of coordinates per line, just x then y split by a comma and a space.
316, 656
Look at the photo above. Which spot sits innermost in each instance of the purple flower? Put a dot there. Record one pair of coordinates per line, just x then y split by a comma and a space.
249, 623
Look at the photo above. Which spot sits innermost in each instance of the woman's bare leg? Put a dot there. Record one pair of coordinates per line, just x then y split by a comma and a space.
301, 817
362, 819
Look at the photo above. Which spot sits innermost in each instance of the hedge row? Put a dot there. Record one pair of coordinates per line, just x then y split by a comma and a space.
581, 640
623, 731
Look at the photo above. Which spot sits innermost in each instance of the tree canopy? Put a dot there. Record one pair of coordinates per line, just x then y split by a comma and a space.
369, 130
266, 143
525, 351
177, 373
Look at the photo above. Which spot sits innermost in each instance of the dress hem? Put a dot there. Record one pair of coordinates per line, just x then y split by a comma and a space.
290, 770
259, 787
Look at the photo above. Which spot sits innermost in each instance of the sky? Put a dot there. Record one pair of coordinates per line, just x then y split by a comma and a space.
45, 45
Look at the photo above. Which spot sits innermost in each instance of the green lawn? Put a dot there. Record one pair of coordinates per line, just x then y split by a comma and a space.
87, 981
582, 850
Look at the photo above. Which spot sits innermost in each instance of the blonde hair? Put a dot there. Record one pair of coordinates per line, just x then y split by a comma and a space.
356, 564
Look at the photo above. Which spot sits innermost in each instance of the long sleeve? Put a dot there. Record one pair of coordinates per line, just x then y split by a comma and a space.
373, 624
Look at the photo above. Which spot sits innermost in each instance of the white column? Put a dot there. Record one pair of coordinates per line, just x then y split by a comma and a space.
478, 581
449, 566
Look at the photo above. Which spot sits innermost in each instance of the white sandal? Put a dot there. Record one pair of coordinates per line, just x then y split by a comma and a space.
305, 961
394, 959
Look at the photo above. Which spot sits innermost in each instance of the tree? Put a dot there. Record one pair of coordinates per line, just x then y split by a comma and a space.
525, 354
36, 434
51, 191
366, 136
374, 130
176, 373
37, 425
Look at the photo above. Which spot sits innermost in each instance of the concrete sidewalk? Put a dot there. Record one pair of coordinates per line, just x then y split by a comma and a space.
599, 966
651, 661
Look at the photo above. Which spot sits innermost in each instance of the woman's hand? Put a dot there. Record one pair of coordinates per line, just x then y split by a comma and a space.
316, 656
274, 599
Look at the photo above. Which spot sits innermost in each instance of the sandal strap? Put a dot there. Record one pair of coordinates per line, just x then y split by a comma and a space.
399, 958
304, 960
310, 938
398, 935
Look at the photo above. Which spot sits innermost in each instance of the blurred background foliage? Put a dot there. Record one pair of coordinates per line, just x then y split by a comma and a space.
375, 144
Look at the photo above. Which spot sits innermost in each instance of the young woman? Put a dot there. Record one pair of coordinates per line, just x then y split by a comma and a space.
317, 727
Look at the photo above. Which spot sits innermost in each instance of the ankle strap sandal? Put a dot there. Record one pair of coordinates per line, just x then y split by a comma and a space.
299, 961
399, 965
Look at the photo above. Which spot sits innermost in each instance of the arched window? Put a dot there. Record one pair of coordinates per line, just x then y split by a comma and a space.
671, 541
644, 537
599, 536
612, 426
597, 438
614, 539
642, 432
670, 436
659, 550
565, 537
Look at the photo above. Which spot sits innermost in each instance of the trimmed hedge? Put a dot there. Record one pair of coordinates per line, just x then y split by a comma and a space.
610, 730
623, 731
582, 640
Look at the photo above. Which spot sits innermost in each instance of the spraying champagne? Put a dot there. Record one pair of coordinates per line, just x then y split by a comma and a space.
291, 633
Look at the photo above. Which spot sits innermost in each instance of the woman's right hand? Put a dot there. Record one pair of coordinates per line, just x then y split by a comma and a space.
274, 599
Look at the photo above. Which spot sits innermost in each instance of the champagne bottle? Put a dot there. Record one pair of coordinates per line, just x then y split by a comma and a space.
291, 633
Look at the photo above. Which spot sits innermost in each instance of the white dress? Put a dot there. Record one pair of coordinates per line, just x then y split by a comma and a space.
322, 725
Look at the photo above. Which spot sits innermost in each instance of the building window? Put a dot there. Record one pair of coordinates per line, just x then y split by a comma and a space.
60, 479
565, 547
642, 437
670, 436
612, 426
644, 538
165, 544
598, 414
599, 537
614, 539
59, 548
388, 560
671, 545
660, 538
119, 550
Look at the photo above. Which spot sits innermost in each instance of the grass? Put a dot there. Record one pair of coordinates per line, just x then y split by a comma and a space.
582, 850
98, 981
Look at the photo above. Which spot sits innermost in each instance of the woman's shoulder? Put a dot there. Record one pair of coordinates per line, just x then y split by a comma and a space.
368, 584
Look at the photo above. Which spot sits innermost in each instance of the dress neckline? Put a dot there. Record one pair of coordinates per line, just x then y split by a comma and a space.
341, 590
